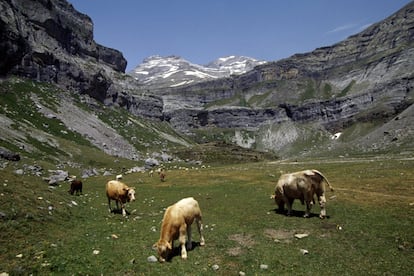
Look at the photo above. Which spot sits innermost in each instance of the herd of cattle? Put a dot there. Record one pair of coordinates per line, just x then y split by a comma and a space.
178, 218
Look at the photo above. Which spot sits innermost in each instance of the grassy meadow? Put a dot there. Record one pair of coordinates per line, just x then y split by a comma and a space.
369, 229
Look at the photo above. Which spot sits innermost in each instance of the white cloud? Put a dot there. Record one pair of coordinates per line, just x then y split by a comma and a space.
342, 28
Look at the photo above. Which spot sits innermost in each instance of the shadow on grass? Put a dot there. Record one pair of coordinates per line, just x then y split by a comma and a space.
119, 211
176, 252
295, 213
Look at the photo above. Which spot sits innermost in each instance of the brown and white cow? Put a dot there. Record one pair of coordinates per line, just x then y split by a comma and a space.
176, 224
120, 192
302, 185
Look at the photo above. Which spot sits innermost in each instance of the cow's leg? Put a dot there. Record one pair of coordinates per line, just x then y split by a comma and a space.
322, 201
123, 209
109, 205
308, 199
289, 202
182, 239
189, 240
200, 230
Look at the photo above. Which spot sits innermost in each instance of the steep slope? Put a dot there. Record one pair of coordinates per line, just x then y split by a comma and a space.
38, 119
173, 71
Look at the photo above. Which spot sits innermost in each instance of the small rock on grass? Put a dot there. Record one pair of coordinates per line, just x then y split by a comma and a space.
152, 259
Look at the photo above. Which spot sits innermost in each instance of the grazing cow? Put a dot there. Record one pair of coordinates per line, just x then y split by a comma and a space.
118, 191
176, 224
75, 187
301, 185
162, 176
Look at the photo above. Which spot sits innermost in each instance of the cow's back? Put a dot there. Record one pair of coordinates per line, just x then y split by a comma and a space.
185, 209
114, 188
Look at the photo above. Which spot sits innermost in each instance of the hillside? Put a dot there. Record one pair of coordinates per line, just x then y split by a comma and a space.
359, 90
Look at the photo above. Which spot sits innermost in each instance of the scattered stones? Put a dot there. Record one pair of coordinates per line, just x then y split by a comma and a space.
304, 251
215, 267
19, 256
242, 273
96, 252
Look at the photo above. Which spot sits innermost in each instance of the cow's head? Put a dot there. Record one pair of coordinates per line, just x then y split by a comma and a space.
164, 249
130, 193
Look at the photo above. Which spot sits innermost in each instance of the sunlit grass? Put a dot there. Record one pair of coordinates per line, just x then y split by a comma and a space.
369, 229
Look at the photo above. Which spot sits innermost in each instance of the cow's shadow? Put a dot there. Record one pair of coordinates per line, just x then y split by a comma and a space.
119, 211
295, 213
176, 252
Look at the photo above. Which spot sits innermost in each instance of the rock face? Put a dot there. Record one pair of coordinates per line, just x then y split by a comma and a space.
333, 86
50, 41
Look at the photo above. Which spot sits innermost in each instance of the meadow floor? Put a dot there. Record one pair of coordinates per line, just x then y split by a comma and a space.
369, 229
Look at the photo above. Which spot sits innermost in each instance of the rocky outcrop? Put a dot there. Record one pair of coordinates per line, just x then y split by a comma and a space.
50, 41
333, 85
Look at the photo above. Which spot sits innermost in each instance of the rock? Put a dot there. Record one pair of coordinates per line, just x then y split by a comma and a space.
19, 172
89, 172
9, 155
304, 251
151, 162
264, 266
215, 267
152, 259
301, 236
57, 176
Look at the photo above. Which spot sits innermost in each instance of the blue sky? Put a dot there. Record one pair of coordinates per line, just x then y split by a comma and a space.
202, 31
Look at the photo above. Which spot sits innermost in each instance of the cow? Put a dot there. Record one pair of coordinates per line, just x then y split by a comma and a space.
176, 224
121, 193
75, 187
162, 175
302, 185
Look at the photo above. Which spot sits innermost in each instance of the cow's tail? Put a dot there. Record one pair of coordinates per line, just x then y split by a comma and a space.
324, 178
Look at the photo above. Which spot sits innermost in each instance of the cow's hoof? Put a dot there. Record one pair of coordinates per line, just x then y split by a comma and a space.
306, 215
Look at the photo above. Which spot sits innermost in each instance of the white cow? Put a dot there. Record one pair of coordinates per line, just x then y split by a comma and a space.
176, 224
301, 185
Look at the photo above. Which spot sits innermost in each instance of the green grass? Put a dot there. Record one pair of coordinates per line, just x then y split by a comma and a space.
242, 230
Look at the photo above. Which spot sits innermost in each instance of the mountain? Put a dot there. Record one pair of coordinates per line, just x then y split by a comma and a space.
173, 71
64, 95
366, 78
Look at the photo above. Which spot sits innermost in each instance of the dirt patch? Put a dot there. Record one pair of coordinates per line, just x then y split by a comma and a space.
243, 239
235, 251
280, 235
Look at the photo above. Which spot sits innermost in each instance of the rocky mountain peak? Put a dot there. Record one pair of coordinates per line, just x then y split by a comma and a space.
174, 71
